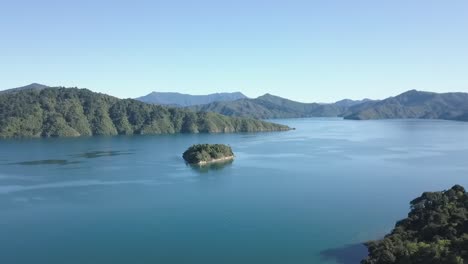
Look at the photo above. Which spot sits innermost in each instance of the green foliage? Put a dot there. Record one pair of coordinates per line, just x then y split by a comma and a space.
435, 232
206, 153
68, 112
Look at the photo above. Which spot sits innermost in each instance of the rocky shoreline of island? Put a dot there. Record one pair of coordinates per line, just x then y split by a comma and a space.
223, 159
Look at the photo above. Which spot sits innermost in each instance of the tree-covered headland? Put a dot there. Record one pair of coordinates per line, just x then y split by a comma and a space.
69, 112
435, 232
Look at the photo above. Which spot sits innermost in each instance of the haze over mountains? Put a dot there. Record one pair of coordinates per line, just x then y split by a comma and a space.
32, 86
237, 104
411, 104
270, 106
183, 100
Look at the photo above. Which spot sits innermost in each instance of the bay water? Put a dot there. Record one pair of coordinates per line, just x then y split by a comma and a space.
310, 195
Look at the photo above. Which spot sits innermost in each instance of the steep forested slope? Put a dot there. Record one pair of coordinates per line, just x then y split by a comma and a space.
435, 232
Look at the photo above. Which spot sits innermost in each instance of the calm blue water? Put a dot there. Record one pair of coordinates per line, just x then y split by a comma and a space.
301, 196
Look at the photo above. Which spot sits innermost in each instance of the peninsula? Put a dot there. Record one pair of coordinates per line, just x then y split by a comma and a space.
35, 111
202, 154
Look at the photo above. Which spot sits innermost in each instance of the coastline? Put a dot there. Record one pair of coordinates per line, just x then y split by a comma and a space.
214, 160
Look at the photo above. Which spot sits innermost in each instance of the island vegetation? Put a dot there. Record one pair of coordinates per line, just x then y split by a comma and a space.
435, 232
68, 112
202, 154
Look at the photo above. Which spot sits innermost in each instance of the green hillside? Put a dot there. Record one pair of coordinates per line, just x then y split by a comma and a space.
66, 112
414, 104
411, 104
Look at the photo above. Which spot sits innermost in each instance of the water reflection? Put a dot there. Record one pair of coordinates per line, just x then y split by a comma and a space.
350, 254
211, 166
74, 158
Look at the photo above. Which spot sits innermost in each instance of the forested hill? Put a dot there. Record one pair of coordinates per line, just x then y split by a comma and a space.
64, 112
270, 106
414, 104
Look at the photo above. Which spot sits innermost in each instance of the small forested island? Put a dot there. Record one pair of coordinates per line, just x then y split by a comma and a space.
202, 154
435, 232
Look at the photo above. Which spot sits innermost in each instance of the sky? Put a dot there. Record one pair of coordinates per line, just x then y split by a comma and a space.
309, 51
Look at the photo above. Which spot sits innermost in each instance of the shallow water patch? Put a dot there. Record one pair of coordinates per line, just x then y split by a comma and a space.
45, 162
349, 254
101, 153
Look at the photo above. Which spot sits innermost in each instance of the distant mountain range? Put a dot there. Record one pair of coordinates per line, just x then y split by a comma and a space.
32, 86
183, 100
411, 104
269, 106
67, 112
349, 102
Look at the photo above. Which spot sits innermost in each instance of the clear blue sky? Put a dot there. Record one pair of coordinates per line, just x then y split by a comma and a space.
304, 50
